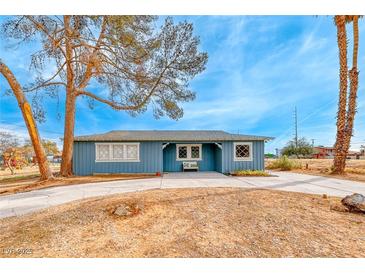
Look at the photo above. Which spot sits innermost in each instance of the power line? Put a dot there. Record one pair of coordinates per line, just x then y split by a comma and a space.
279, 138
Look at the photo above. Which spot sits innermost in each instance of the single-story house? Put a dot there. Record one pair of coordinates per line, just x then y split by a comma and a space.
321, 152
158, 151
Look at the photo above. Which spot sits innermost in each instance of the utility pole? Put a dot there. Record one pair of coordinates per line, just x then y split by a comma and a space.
296, 127
312, 142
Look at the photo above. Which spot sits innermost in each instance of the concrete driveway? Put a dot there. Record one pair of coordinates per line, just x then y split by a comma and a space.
22, 203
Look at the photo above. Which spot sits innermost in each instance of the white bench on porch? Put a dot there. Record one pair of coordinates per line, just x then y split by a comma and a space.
190, 166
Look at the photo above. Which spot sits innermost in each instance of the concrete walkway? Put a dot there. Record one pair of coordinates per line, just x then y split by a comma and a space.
22, 203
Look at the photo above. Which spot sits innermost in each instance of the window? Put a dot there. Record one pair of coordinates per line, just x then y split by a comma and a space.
117, 152
103, 152
242, 151
132, 152
183, 152
188, 152
195, 152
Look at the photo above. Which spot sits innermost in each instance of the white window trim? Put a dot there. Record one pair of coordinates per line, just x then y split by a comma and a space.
189, 152
124, 159
242, 159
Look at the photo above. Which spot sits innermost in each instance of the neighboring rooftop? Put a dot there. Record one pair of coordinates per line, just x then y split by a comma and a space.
170, 135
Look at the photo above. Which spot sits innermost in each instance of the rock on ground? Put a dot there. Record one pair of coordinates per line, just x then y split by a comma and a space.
354, 202
128, 210
123, 210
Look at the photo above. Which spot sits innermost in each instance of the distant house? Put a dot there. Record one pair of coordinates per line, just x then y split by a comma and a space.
57, 158
157, 151
356, 154
321, 152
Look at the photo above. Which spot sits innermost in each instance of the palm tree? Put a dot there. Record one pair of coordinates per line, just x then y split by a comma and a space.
340, 157
354, 83
345, 119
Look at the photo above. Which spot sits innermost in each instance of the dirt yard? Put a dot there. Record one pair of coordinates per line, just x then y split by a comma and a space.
355, 169
209, 222
31, 182
26, 171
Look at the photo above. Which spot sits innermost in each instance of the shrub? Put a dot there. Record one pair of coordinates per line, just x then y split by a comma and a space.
284, 163
251, 173
355, 170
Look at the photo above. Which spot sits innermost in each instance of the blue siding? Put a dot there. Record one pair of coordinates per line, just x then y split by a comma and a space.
230, 165
84, 160
206, 164
154, 159
218, 159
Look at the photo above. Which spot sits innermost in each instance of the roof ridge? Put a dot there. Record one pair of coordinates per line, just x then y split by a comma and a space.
169, 135
192, 130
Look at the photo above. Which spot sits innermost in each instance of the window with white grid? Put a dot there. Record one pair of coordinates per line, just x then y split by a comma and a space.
188, 152
242, 151
132, 152
117, 152
103, 152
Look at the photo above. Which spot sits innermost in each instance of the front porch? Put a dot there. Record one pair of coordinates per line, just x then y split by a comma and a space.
207, 155
194, 175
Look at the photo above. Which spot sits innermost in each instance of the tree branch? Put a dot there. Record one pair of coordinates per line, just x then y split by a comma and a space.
119, 107
48, 82
108, 102
90, 65
42, 28
43, 85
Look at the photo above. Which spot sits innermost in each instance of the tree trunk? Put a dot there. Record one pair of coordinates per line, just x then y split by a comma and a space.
354, 81
340, 155
43, 165
8, 163
66, 164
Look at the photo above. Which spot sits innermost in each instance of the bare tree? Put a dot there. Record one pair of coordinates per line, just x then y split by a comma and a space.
26, 110
50, 147
8, 140
137, 63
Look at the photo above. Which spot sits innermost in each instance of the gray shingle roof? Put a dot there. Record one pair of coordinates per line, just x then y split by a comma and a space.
170, 136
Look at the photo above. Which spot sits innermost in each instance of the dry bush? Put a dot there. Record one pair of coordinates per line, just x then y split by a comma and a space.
261, 173
284, 163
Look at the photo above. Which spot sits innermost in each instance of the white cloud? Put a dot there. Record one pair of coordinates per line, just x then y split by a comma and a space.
20, 130
259, 68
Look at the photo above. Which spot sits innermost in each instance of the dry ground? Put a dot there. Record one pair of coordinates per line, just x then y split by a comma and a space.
26, 171
10, 186
209, 222
355, 169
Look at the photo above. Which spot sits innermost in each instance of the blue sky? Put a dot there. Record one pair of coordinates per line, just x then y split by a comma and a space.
259, 69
